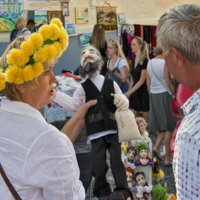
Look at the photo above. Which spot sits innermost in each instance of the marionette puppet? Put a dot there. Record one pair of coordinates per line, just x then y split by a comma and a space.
160, 193
142, 125
144, 158
131, 183
142, 186
100, 124
131, 154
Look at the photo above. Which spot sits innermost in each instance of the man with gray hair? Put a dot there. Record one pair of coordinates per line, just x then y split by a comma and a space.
178, 33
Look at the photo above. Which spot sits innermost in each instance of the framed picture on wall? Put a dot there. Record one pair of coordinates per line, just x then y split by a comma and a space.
107, 17
70, 28
82, 15
84, 39
65, 8
40, 17
122, 18
54, 14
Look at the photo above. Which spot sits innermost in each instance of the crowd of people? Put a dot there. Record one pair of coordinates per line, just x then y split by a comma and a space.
44, 161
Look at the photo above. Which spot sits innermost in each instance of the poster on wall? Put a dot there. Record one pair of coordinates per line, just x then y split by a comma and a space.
40, 17
70, 28
107, 17
84, 39
10, 10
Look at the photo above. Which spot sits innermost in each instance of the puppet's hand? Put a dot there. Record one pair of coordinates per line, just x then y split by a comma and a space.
120, 102
143, 190
130, 185
143, 161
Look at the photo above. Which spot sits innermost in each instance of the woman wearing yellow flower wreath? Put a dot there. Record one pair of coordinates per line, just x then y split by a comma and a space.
38, 160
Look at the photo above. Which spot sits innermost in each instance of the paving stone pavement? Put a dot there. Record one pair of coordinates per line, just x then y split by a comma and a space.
81, 146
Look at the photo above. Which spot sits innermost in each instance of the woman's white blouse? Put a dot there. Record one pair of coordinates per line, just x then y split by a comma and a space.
39, 160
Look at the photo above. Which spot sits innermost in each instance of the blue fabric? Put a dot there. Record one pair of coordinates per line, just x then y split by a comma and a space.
124, 88
13, 34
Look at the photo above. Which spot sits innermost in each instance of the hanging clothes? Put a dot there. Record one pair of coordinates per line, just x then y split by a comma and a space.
128, 32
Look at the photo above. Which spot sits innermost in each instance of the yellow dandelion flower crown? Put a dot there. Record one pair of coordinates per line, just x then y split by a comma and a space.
26, 63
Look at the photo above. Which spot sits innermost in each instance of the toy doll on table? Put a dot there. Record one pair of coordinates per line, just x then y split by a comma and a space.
131, 154
100, 124
144, 158
142, 186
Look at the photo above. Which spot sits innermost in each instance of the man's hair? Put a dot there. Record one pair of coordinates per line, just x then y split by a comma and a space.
179, 27
133, 149
31, 21
137, 174
92, 46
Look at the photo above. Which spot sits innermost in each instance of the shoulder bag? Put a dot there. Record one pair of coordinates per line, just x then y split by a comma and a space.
11, 188
170, 93
116, 68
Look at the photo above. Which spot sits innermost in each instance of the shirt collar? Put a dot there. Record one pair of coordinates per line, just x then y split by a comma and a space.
191, 104
21, 108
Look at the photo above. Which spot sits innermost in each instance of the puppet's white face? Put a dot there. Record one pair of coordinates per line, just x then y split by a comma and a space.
129, 176
89, 55
141, 127
143, 153
131, 154
140, 180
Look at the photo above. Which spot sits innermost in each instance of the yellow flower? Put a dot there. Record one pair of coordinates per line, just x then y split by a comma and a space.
55, 31
28, 48
2, 82
41, 55
37, 39
45, 31
20, 78
38, 68
14, 74
52, 52
17, 57
64, 39
56, 21
28, 73
58, 47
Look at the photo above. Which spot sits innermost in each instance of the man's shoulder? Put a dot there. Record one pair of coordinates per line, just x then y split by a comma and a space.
191, 124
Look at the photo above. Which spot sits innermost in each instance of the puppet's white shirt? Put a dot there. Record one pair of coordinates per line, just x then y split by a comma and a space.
78, 99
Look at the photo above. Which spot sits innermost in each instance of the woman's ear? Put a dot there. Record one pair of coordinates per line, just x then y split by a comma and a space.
20, 88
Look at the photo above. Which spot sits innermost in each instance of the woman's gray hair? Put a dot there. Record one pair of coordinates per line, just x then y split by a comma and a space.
179, 27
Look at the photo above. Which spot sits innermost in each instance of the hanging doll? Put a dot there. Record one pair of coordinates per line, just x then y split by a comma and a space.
131, 153
160, 193
157, 173
142, 186
100, 123
144, 158
142, 124
131, 182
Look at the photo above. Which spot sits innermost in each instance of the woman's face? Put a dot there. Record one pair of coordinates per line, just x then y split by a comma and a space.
43, 94
143, 153
140, 180
141, 127
135, 47
111, 49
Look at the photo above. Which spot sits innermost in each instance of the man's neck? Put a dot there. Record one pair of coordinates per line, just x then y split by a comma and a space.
193, 75
94, 74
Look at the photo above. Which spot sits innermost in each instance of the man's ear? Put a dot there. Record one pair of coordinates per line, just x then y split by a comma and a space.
20, 88
178, 56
